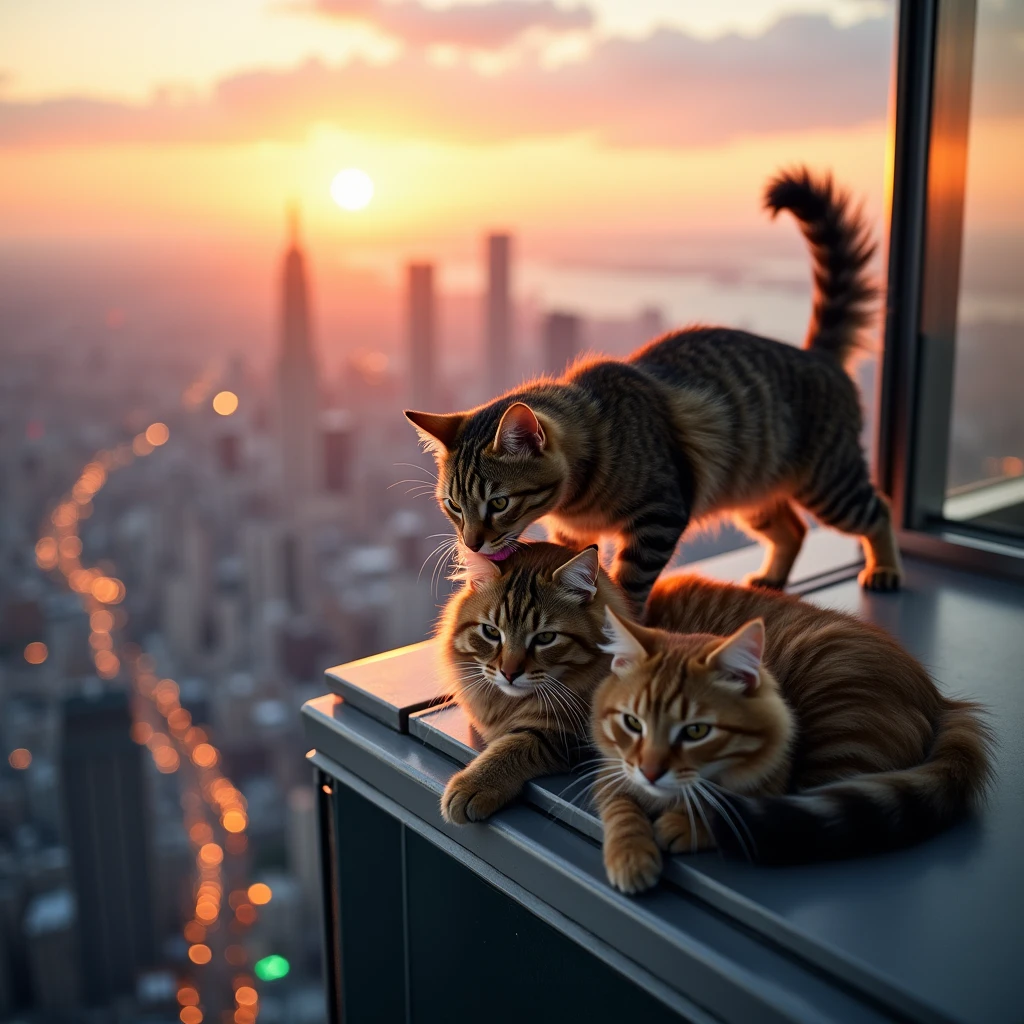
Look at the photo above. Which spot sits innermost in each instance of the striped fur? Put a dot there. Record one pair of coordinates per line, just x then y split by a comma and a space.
701, 422
537, 724
878, 759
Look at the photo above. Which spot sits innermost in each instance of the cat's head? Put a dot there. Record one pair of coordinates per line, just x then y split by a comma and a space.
499, 470
529, 628
680, 710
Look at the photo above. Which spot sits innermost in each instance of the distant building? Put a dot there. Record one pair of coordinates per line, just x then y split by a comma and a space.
499, 312
422, 335
297, 380
53, 966
338, 450
561, 341
107, 823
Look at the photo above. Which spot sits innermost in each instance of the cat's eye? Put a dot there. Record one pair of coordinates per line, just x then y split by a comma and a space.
498, 504
453, 507
489, 631
633, 724
547, 637
696, 731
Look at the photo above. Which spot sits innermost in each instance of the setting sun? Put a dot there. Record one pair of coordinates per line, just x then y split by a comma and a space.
352, 189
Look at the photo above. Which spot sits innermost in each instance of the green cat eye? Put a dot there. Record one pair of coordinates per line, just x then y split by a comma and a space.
490, 631
546, 637
498, 504
453, 507
633, 723
696, 730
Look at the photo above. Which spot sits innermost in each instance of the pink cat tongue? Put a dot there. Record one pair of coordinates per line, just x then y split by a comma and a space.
500, 556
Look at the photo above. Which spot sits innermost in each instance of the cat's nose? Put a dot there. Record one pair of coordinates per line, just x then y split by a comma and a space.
474, 540
652, 771
475, 545
513, 675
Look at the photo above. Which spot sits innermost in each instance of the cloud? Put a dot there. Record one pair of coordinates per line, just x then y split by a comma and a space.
666, 90
491, 26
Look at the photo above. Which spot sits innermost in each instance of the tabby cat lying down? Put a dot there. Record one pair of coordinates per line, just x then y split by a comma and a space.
698, 423
802, 699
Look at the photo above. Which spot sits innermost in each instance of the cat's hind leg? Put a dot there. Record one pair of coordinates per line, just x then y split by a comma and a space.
842, 496
780, 528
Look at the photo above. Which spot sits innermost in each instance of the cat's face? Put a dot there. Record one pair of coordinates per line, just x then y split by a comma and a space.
680, 711
529, 628
495, 476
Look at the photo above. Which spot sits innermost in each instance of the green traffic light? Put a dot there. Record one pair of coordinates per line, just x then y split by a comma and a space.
272, 967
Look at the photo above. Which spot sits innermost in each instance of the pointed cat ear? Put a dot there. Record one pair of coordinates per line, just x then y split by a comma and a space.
623, 645
579, 574
519, 432
436, 429
739, 656
474, 569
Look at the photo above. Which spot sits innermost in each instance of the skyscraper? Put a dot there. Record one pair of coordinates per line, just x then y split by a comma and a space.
561, 341
499, 312
297, 390
422, 325
107, 824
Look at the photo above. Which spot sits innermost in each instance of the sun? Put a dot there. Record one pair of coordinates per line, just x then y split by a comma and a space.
352, 189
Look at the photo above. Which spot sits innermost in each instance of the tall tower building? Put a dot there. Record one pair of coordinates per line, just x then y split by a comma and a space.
561, 341
297, 391
107, 825
499, 312
422, 328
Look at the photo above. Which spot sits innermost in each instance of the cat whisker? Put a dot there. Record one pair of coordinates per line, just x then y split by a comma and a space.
723, 795
417, 467
693, 823
726, 816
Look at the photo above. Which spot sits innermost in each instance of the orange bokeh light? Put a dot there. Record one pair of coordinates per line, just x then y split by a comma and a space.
200, 833
108, 590
204, 755
191, 1015
179, 719
140, 446
211, 854
166, 759
69, 547
199, 953
243, 1015
235, 955
142, 732
246, 996
36, 652
188, 996
46, 553
107, 664
157, 434
20, 758
234, 821
101, 621
194, 932
246, 914
101, 641
225, 402
259, 893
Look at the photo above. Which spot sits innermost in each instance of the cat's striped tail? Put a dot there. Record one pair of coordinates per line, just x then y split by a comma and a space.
868, 813
841, 248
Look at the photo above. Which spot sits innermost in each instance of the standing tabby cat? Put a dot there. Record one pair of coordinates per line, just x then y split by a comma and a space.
807, 734
521, 643
699, 422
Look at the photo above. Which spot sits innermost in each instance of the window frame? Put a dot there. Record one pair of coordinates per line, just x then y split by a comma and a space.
929, 129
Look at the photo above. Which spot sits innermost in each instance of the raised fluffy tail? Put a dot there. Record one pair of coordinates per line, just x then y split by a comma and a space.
841, 248
869, 813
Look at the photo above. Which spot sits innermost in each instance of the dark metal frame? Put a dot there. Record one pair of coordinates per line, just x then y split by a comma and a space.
933, 75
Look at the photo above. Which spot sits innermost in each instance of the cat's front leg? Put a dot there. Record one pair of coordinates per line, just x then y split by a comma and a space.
631, 855
646, 544
679, 832
498, 775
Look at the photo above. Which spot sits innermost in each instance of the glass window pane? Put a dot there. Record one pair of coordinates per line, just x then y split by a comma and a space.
985, 479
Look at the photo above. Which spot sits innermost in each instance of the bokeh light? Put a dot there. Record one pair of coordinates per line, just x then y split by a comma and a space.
272, 967
188, 996
157, 434
225, 402
352, 189
246, 996
191, 1015
36, 652
20, 758
259, 893
199, 953
211, 854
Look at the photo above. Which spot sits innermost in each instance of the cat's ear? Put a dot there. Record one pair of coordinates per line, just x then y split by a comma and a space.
739, 656
474, 569
579, 574
623, 644
519, 432
437, 431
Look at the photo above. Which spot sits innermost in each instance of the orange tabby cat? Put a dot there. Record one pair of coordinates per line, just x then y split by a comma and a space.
773, 729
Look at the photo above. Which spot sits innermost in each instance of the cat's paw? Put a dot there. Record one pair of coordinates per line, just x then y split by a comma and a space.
880, 578
756, 582
674, 833
465, 799
633, 866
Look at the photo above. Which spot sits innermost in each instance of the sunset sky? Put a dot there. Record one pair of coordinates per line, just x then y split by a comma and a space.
566, 121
